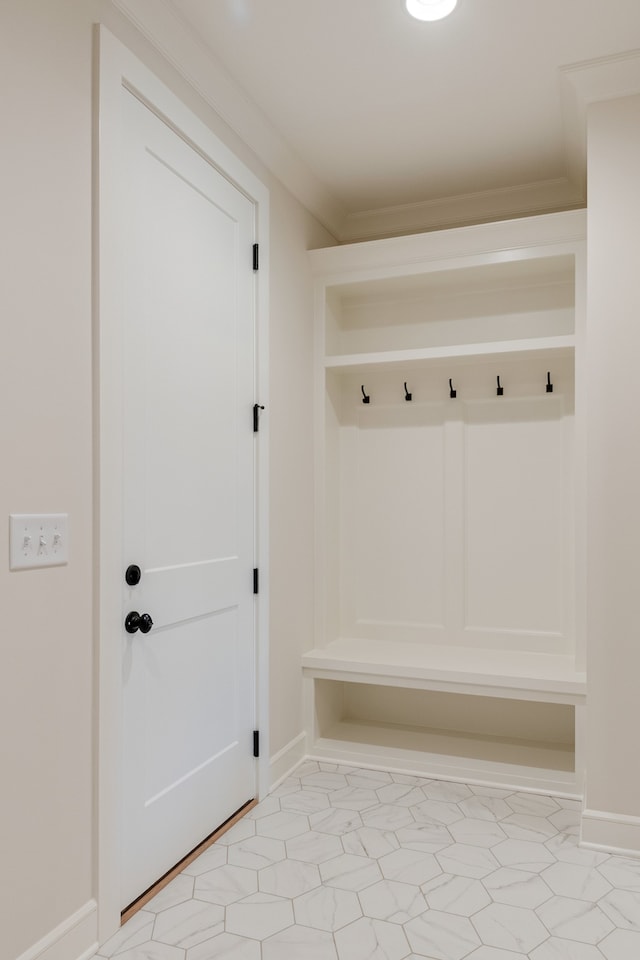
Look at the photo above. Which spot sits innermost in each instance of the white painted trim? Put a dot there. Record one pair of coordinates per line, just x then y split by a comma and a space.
287, 759
615, 833
118, 67
73, 939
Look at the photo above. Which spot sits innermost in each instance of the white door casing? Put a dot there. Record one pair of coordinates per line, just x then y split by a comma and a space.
195, 566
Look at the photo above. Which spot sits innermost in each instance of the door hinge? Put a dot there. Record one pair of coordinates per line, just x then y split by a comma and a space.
256, 257
257, 407
256, 743
255, 580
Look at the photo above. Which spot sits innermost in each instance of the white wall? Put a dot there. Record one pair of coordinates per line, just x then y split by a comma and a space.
46, 634
613, 346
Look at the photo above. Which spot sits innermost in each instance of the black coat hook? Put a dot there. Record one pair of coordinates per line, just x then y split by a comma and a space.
365, 398
452, 393
549, 384
407, 395
499, 389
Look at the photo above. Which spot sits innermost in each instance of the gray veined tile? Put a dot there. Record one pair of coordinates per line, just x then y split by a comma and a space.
305, 801
369, 842
622, 872
623, 908
621, 945
327, 908
213, 856
335, 821
483, 790
493, 953
135, 931
574, 920
409, 866
447, 791
153, 951
485, 808
402, 794
437, 811
290, 878
477, 833
179, 890
188, 924
259, 916
368, 778
313, 847
567, 821
254, 853
386, 816
524, 855
564, 847
282, 825
392, 901
296, 943
354, 798
305, 769
532, 805
517, 888
524, 827
555, 949
286, 788
264, 808
350, 873
368, 939
225, 885
462, 896
226, 946
239, 831
427, 837
509, 928
323, 780
408, 778
572, 880
466, 861
441, 936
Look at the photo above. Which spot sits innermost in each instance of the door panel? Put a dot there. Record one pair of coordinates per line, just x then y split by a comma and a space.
188, 489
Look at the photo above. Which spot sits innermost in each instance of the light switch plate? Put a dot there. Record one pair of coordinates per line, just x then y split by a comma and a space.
38, 540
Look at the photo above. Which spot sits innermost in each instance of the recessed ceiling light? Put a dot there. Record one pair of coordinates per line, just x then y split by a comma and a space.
430, 9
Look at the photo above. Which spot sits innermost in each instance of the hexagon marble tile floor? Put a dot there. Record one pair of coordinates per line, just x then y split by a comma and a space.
341, 863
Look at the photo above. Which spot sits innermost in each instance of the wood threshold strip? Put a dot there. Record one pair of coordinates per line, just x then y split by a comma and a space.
149, 894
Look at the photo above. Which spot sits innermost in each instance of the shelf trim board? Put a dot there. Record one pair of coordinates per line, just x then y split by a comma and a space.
534, 347
455, 769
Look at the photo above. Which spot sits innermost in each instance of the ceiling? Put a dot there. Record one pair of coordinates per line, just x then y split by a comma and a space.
391, 114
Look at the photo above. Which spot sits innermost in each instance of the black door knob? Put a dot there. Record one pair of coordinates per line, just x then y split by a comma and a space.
133, 574
138, 621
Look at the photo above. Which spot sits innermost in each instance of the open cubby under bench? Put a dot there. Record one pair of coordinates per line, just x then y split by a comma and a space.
486, 716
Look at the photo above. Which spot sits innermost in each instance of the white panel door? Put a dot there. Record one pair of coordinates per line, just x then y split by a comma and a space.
188, 490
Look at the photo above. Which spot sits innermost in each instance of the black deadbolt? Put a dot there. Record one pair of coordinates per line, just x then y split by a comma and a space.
138, 621
133, 574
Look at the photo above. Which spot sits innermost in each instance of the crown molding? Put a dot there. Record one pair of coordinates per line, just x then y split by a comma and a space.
506, 203
587, 82
161, 25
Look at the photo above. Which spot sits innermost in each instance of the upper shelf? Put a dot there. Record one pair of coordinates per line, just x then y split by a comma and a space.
533, 348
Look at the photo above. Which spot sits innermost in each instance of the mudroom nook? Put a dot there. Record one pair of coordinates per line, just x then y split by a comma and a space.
450, 514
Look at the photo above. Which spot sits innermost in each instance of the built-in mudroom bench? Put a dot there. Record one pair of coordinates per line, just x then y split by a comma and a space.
450, 507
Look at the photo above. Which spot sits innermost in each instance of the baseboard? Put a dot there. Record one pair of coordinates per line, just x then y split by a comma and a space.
76, 938
609, 832
283, 762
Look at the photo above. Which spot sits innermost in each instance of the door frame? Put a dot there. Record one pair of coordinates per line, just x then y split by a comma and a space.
118, 68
